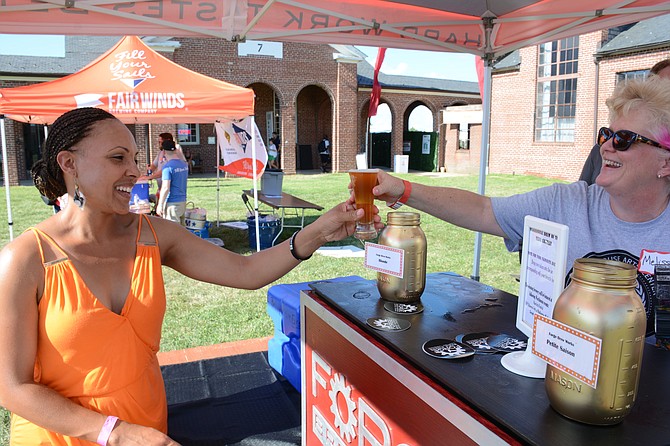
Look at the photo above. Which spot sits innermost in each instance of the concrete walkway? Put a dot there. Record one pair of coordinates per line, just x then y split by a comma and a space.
213, 351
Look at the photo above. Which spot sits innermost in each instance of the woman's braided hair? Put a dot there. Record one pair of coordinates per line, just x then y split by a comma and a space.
65, 132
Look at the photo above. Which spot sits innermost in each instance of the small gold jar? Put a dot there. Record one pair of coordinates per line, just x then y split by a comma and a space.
402, 231
602, 302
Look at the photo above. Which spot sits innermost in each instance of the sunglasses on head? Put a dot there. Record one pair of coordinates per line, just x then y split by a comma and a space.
623, 139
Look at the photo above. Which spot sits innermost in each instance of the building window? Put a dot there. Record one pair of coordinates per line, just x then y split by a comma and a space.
464, 136
556, 90
627, 75
188, 134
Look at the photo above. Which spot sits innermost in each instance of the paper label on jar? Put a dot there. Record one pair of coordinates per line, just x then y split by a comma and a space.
573, 351
384, 259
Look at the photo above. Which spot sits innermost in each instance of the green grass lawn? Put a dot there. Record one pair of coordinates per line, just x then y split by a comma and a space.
203, 314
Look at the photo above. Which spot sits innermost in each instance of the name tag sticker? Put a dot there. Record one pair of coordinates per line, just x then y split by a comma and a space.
648, 259
573, 351
384, 259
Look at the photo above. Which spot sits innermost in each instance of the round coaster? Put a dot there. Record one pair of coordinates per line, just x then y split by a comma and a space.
447, 349
506, 343
478, 341
403, 308
388, 324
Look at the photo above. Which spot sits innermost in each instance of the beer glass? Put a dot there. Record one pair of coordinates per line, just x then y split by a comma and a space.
363, 181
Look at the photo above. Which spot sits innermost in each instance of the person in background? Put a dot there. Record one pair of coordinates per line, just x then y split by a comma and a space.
83, 293
623, 216
159, 161
594, 161
188, 157
277, 142
324, 154
154, 169
172, 198
272, 155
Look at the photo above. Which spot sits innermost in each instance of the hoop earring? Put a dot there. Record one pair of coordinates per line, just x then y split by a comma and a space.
78, 198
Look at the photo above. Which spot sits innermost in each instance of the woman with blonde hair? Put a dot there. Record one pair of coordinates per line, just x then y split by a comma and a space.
624, 216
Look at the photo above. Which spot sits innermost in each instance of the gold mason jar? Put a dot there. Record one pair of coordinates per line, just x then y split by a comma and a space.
602, 302
402, 231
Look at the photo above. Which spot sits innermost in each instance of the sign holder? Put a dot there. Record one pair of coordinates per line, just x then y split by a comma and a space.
543, 262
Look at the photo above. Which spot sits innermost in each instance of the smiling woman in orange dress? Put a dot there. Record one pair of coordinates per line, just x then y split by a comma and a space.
83, 296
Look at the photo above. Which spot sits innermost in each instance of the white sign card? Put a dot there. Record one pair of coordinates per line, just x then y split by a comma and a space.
260, 48
573, 351
543, 263
425, 145
543, 257
384, 259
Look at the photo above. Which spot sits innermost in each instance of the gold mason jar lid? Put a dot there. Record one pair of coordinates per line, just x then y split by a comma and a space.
608, 273
403, 218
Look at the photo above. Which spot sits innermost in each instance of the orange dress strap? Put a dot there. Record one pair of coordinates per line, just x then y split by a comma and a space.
99, 359
143, 217
39, 235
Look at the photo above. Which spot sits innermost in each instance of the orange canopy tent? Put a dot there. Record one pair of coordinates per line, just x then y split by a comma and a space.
137, 85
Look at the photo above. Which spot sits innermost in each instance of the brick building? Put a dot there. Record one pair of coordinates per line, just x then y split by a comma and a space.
548, 101
302, 91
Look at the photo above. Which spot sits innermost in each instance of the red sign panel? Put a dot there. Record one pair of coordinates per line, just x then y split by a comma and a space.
351, 399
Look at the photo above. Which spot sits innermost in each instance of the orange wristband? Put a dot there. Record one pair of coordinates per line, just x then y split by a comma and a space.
405, 196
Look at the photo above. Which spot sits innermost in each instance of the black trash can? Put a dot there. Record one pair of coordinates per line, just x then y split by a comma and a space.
268, 229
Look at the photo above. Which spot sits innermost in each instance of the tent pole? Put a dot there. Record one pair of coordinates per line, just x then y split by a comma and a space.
218, 179
367, 139
255, 174
5, 173
148, 142
484, 160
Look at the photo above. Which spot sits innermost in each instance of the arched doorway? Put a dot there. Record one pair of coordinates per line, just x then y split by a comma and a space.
314, 120
381, 129
375, 140
267, 112
420, 141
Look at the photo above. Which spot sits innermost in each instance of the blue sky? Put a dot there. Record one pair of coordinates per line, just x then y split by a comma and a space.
30, 45
460, 67
399, 62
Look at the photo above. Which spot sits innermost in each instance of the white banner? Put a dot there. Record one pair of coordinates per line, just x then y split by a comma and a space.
235, 146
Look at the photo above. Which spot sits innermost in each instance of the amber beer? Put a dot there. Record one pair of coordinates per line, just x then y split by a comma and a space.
363, 180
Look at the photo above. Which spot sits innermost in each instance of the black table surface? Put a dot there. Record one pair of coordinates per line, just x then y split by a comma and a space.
517, 404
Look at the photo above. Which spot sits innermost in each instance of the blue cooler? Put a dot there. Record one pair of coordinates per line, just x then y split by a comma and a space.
284, 310
202, 233
267, 231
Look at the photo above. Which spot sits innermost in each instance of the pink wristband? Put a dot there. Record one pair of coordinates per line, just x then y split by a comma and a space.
106, 430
